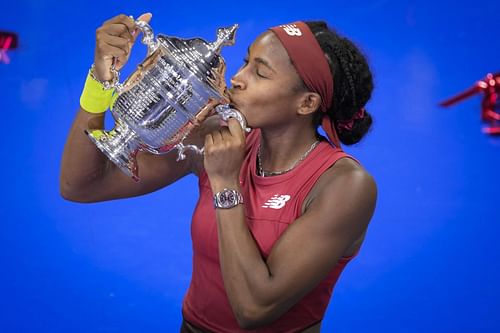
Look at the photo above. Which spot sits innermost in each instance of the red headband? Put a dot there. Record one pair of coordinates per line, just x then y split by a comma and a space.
310, 62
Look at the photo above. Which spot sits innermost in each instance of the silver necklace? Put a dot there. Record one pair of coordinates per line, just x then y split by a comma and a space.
264, 173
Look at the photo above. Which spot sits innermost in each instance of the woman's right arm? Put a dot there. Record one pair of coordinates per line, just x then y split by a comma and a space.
86, 174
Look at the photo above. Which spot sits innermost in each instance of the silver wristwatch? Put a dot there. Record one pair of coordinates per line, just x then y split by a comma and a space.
227, 198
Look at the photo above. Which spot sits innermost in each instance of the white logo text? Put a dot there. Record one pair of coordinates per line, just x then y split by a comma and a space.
277, 201
292, 30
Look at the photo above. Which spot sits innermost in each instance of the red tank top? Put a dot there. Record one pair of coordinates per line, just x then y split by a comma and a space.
271, 204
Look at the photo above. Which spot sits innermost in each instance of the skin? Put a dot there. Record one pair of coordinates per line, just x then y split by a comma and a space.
86, 174
336, 212
339, 206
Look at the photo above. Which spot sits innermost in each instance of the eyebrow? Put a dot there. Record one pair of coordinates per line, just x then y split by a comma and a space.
261, 61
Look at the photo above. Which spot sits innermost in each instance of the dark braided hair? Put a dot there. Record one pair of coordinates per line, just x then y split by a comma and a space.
352, 79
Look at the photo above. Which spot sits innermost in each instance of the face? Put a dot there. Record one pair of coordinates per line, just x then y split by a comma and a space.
264, 88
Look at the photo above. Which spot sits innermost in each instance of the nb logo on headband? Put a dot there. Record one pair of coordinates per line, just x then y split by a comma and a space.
292, 30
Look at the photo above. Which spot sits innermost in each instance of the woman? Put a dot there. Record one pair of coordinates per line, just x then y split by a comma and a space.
291, 209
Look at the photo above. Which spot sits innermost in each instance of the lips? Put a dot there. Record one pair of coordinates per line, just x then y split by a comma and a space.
232, 103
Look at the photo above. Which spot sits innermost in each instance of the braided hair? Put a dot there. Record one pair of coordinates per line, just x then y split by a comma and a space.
352, 79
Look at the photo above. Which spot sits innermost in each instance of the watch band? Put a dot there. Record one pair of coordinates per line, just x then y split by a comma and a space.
227, 198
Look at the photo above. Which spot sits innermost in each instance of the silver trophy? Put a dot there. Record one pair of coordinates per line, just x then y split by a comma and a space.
172, 91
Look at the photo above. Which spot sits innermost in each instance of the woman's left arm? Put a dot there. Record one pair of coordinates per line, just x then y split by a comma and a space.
259, 290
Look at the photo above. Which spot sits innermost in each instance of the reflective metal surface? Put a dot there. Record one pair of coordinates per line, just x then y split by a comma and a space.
173, 90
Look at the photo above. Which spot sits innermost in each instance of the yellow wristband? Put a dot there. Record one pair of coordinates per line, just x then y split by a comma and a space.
94, 98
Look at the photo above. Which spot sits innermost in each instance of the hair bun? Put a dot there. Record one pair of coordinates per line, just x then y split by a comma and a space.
357, 130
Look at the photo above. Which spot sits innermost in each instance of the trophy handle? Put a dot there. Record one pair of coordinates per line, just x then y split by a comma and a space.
226, 112
148, 39
182, 148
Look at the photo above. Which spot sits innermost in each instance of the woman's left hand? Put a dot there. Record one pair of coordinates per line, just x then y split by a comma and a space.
224, 153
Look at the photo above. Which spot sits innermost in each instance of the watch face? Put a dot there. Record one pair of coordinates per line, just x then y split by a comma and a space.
227, 198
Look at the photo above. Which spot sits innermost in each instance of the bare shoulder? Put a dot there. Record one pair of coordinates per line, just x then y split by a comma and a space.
346, 178
346, 169
345, 195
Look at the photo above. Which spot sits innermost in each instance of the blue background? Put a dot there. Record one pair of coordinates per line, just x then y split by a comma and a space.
430, 262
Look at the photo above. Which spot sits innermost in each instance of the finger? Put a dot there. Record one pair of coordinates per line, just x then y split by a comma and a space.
122, 19
225, 133
118, 29
217, 137
120, 61
235, 129
209, 141
111, 50
146, 17
110, 34
114, 41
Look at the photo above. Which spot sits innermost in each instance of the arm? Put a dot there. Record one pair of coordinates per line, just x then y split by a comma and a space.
86, 174
261, 291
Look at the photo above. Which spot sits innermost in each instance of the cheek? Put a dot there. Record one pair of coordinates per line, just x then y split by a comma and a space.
281, 99
274, 94
267, 106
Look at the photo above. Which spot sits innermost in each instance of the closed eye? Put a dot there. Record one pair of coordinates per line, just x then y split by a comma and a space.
245, 63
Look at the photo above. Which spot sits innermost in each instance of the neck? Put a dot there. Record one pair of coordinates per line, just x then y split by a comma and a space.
281, 149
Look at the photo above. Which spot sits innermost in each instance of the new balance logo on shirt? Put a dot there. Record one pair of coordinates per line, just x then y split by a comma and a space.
277, 201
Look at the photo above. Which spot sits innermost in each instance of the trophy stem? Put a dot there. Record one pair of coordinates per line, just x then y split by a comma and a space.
120, 145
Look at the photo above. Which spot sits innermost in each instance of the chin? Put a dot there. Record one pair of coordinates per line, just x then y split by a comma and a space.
233, 106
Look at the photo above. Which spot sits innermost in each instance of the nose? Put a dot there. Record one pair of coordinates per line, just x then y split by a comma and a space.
237, 81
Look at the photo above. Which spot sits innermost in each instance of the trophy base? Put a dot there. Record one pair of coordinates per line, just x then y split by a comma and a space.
120, 145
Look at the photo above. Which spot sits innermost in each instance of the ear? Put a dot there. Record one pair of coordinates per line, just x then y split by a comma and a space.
309, 103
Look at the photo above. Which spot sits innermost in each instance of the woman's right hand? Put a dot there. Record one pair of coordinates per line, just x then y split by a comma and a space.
114, 40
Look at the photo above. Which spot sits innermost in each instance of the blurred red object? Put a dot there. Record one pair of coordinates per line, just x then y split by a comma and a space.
8, 41
490, 105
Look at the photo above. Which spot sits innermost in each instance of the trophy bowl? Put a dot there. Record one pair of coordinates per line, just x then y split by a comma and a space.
173, 90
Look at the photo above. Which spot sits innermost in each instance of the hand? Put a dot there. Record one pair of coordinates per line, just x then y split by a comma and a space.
114, 39
224, 154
